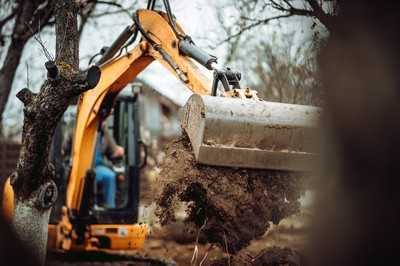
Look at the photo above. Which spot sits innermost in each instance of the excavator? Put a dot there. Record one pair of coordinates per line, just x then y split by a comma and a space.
227, 125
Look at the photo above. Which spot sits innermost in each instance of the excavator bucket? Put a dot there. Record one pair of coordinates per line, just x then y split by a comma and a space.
250, 133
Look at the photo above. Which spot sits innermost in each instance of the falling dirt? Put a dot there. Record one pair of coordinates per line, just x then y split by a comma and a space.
229, 206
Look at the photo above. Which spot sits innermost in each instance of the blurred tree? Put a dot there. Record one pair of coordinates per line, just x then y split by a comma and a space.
281, 68
357, 213
252, 13
286, 76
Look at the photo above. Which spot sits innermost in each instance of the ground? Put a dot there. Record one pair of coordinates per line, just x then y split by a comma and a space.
169, 243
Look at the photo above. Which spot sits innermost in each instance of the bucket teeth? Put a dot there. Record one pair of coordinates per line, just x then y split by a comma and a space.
251, 134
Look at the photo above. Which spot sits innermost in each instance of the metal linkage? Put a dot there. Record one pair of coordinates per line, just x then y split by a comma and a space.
118, 43
182, 76
188, 48
151, 4
228, 78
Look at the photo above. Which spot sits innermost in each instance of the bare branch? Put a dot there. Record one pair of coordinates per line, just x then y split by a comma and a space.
252, 25
26, 96
8, 18
314, 10
38, 38
107, 13
39, 19
121, 8
320, 14
85, 17
109, 3
27, 75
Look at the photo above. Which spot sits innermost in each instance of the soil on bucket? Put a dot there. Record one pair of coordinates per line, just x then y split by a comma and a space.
229, 206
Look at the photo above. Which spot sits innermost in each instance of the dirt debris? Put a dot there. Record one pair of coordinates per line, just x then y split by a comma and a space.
230, 206
104, 259
274, 256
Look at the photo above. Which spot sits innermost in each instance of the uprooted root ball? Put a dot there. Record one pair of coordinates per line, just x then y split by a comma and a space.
230, 206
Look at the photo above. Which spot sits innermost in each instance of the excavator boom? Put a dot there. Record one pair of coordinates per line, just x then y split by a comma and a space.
116, 73
237, 130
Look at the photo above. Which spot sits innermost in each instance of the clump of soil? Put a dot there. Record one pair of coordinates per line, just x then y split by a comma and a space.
230, 206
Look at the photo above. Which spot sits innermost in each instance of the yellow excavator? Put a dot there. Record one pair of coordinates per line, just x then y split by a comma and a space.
227, 125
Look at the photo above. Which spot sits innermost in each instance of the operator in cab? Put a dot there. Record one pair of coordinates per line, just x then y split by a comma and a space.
107, 151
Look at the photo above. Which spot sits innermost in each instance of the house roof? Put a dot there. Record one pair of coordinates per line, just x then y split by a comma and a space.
161, 81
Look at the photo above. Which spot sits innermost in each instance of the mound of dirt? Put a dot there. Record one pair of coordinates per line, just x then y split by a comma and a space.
230, 206
274, 256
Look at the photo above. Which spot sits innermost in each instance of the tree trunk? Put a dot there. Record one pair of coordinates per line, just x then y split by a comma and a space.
30, 224
357, 214
33, 180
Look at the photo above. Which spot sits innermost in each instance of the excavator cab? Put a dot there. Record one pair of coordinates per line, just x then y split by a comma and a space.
123, 126
126, 132
97, 226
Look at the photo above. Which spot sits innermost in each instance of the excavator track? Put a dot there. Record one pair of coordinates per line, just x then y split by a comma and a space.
104, 259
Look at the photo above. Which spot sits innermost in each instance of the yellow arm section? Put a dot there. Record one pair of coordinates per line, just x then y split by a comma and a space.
7, 207
115, 75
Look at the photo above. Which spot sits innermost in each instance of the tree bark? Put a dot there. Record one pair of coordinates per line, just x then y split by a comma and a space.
33, 181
